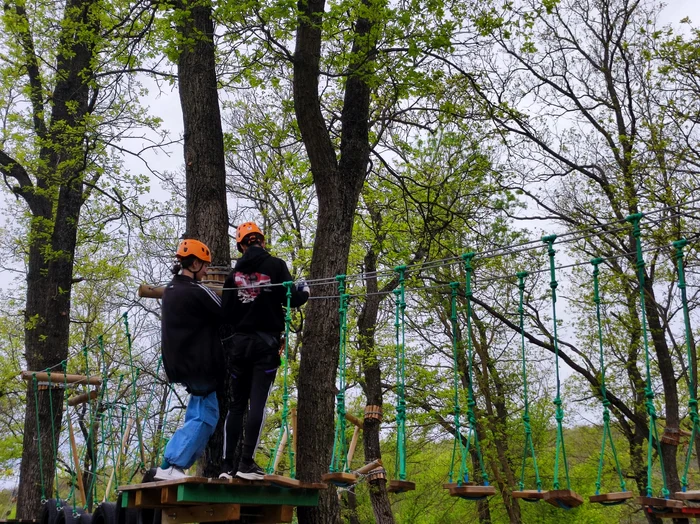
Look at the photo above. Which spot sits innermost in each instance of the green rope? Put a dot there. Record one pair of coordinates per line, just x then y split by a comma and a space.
53, 432
529, 445
607, 432
284, 424
471, 402
92, 487
134, 397
559, 412
73, 473
463, 475
399, 325
38, 433
338, 459
648, 391
693, 401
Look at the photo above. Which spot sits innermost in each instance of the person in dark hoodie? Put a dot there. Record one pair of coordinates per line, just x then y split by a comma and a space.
191, 314
253, 301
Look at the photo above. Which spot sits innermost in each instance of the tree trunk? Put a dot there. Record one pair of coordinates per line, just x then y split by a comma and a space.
338, 186
366, 325
205, 171
52, 243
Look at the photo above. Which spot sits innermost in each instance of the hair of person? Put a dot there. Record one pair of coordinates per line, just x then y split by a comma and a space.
183, 263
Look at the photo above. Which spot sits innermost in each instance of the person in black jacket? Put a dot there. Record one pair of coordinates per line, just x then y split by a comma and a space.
191, 314
253, 301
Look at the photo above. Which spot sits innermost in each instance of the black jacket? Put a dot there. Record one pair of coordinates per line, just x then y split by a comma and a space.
191, 346
251, 304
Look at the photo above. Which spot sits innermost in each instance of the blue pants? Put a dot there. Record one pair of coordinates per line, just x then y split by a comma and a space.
187, 443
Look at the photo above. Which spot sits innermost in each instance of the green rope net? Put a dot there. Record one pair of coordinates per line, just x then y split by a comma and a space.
400, 295
284, 424
560, 448
693, 401
607, 433
648, 391
339, 458
472, 434
529, 446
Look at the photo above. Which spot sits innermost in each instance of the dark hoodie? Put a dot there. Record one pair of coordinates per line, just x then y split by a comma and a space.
252, 303
190, 344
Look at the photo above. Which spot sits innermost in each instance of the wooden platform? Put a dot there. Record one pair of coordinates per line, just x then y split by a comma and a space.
199, 499
400, 486
471, 492
563, 498
340, 479
528, 495
690, 496
659, 505
611, 499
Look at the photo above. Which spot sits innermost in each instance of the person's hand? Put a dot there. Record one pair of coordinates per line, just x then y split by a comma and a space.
303, 286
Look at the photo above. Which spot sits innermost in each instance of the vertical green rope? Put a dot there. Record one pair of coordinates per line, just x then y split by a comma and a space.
648, 391
529, 445
339, 457
693, 401
463, 474
471, 402
134, 396
73, 473
284, 424
559, 413
400, 331
607, 432
38, 437
53, 432
92, 486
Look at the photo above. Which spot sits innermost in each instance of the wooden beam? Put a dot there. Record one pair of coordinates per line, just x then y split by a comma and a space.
83, 398
208, 513
61, 378
76, 460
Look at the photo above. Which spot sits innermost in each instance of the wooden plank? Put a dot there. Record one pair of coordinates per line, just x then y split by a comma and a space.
59, 378
563, 498
472, 492
285, 482
267, 514
528, 495
340, 479
659, 503
353, 445
400, 486
611, 498
147, 498
168, 495
208, 513
355, 421
209, 481
278, 455
690, 496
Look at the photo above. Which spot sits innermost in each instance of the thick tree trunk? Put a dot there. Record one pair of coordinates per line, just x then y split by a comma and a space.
205, 171
52, 243
338, 186
366, 325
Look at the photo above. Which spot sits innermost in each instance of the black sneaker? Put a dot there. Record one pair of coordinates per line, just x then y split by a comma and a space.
250, 471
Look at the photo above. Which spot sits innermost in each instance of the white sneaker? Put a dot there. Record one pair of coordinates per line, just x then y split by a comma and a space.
226, 475
171, 473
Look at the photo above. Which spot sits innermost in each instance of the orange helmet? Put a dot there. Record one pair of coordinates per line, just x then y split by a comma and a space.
190, 246
245, 229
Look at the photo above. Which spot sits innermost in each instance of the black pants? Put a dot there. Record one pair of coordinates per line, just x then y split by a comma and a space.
252, 363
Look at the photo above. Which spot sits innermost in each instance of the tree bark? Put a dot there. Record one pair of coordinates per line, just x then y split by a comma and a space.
205, 170
52, 244
338, 186
366, 326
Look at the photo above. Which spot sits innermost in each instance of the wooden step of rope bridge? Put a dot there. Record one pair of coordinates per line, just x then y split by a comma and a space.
200, 499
